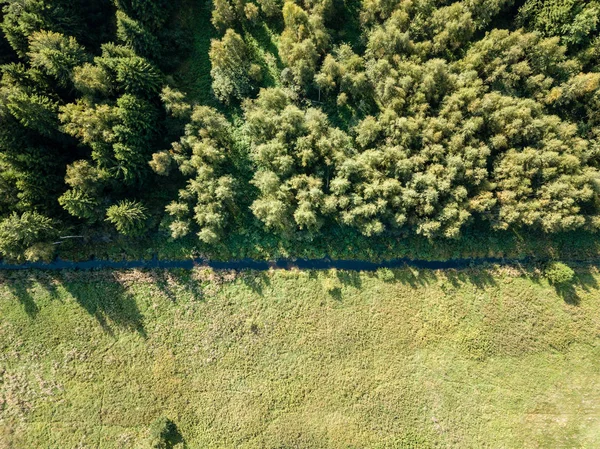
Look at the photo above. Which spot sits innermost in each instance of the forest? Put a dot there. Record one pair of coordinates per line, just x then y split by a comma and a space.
271, 122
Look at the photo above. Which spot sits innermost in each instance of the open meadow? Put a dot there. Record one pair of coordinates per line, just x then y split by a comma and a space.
486, 358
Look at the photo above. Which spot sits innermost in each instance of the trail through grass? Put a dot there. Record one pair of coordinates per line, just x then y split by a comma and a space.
469, 359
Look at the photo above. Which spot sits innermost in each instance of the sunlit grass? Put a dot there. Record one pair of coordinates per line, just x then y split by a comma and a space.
468, 359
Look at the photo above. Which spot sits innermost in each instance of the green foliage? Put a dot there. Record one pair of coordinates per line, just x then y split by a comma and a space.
331, 284
79, 204
151, 13
295, 152
175, 104
230, 70
31, 149
223, 15
204, 157
162, 432
559, 274
55, 54
27, 237
133, 34
576, 22
303, 40
129, 217
120, 136
33, 111
377, 121
82, 19
343, 75
385, 274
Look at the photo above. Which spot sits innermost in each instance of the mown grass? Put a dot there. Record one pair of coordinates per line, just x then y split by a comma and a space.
472, 359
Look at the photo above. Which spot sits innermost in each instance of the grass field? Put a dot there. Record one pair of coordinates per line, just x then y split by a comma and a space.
472, 359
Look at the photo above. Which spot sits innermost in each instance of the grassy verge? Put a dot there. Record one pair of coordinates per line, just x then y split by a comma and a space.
343, 243
470, 359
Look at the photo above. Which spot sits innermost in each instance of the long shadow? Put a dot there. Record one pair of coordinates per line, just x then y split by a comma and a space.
584, 280
169, 282
171, 437
20, 287
413, 277
175, 439
21, 291
348, 29
262, 34
256, 281
568, 294
479, 278
351, 278
109, 302
194, 74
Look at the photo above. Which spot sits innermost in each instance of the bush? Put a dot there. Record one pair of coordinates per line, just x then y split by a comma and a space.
385, 274
558, 273
331, 284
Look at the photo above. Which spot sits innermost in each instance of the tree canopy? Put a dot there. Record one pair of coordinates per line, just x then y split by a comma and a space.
423, 117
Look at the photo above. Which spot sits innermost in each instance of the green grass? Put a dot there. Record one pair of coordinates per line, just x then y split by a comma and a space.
470, 359
193, 77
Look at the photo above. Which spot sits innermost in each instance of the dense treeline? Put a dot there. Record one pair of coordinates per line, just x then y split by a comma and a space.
410, 117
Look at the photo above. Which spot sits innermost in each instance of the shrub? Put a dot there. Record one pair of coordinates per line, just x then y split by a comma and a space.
558, 273
385, 274
331, 284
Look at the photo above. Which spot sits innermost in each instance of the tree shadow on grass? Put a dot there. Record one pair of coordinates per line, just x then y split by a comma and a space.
335, 293
256, 281
103, 298
480, 278
170, 281
417, 278
110, 303
21, 285
175, 439
412, 276
584, 280
262, 35
568, 294
165, 434
349, 278
20, 290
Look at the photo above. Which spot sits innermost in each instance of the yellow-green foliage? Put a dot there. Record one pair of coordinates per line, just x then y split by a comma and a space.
470, 359
558, 273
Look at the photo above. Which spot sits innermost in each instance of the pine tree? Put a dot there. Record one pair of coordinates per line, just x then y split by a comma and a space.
26, 236
56, 55
129, 217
